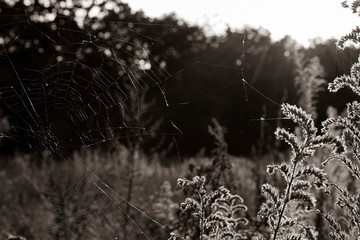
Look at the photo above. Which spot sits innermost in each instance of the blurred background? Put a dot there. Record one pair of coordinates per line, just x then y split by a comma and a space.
104, 102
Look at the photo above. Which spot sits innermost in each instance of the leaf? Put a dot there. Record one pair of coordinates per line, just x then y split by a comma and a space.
268, 190
299, 116
291, 139
303, 197
301, 185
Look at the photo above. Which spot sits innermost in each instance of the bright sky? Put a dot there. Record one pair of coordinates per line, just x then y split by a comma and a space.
301, 19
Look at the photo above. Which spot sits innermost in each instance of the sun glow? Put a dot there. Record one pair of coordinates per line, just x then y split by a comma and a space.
302, 20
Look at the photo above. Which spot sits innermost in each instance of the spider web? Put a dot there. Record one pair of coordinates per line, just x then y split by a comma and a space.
68, 94
89, 91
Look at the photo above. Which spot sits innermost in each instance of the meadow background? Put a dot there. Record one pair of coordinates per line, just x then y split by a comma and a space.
214, 115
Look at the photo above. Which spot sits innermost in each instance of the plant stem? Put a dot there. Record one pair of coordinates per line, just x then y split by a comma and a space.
286, 200
202, 216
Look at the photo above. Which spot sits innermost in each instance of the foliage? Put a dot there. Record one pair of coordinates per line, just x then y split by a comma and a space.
283, 223
164, 205
219, 213
61, 201
354, 35
219, 171
296, 173
22, 191
348, 199
309, 82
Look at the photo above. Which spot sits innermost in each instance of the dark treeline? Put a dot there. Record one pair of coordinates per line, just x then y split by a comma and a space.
193, 77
